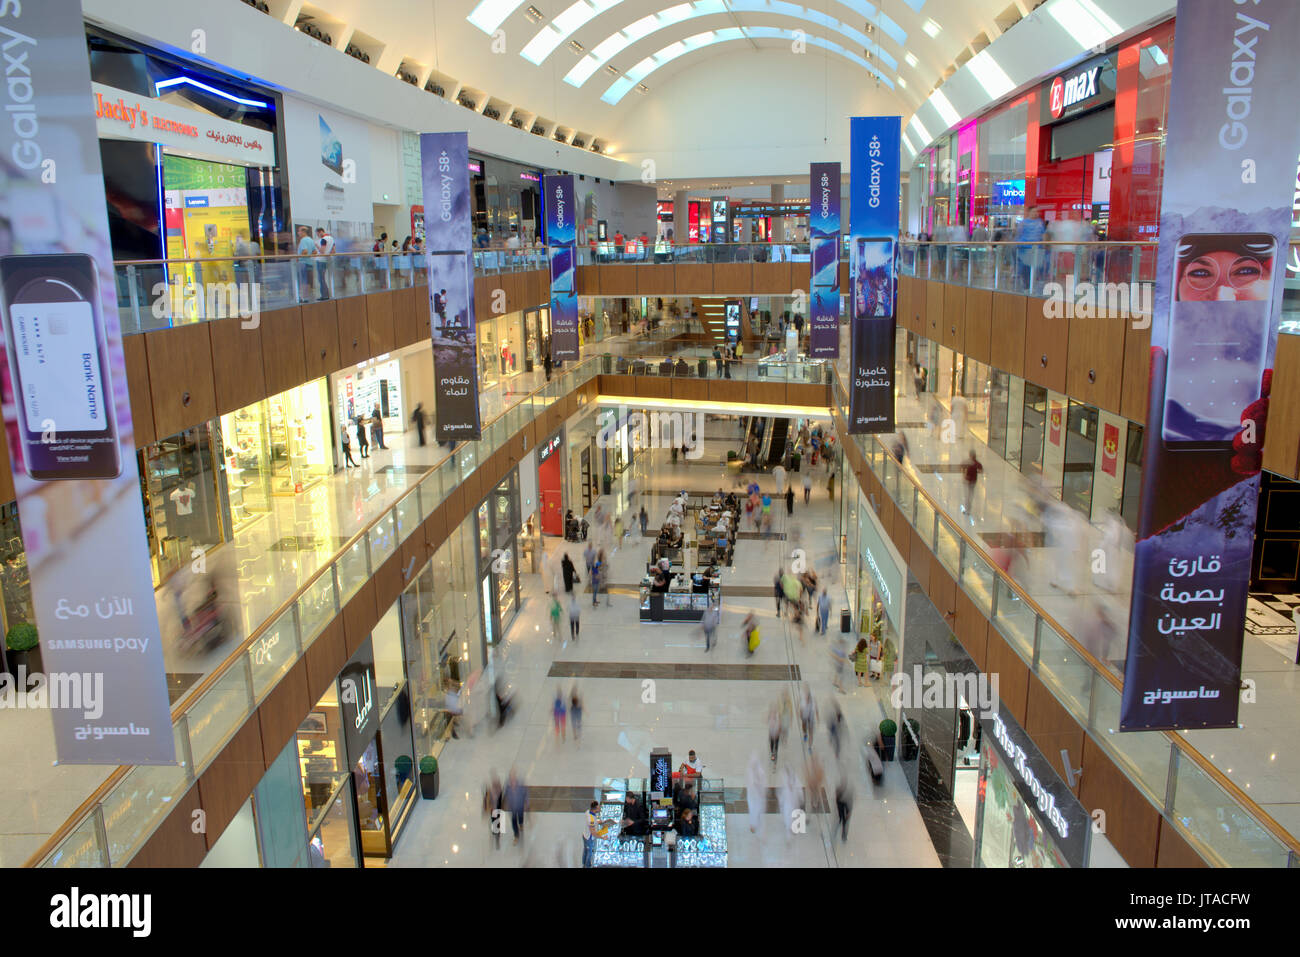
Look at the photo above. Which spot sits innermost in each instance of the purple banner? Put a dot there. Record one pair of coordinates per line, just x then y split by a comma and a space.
874, 148
824, 237
560, 235
444, 161
67, 415
1225, 215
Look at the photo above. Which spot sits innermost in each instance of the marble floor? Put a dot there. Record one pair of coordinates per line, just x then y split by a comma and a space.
678, 696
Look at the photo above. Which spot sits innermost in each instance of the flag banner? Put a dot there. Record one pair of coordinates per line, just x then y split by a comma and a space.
1225, 216
824, 236
67, 412
874, 143
560, 235
444, 160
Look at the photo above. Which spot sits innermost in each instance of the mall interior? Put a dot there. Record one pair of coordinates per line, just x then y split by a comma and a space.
377, 639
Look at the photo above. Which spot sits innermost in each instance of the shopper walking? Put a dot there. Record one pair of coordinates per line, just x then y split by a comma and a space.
970, 474
418, 419
575, 715
808, 717
558, 714
347, 448
823, 611
589, 556
569, 572
844, 804
556, 612
756, 792
575, 618
547, 365
709, 624
830, 486
778, 588
516, 803
363, 444
789, 500
807, 486
377, 428
861, 661
645, 520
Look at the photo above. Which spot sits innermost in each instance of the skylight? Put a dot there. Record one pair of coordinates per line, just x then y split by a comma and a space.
910, 58
619, 88
919, 129
940, 102
615, 44
990, 75
1084, 21
490, 14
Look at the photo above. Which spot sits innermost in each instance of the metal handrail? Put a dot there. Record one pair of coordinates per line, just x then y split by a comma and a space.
1179, 743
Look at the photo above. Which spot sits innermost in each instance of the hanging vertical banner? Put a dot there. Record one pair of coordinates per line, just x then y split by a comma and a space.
444, 159
560, 235
824, 234
1225, 215
67, 411
874, 144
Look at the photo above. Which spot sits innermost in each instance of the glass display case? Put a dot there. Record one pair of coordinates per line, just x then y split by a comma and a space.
709, 849
677, 604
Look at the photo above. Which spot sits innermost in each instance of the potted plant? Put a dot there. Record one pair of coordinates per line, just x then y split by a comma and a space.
428, 777
888, 732
608, 482
24, 647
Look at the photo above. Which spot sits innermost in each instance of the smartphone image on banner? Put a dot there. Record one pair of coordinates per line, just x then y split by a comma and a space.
58, 362
872, 275
562, 269
1218, 336
826, 262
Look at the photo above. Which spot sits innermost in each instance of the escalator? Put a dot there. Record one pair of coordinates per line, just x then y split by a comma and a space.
776, 446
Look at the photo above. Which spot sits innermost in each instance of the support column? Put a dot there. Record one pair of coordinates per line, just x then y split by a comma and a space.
681, 218
778, 222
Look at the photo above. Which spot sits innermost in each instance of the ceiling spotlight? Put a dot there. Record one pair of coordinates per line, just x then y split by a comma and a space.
576, 47
611, 69
642, 88
533, 14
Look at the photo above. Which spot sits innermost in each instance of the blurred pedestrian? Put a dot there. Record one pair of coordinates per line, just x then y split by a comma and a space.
709, 624
569, 572
807, 486
756, 792
830, 486
556, 612
774, 730
575, 618
645, 520
861, 661
558, 714
844, 804
516, 804
789, 499
970, 474
823, 611
575, 714
808, 717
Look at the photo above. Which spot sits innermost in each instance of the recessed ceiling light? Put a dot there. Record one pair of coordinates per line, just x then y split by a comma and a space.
576, 47
931, 28
533, 14
611, 70
901, 82
642, 88
911, 60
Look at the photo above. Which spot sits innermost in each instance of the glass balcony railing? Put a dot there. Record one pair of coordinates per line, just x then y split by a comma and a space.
157, 294
650, 253
1211, 812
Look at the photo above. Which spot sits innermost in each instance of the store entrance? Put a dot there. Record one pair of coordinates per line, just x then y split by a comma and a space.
550, 494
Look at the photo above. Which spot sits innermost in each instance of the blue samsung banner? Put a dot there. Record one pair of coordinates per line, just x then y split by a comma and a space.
560, 234
1225, 215
874, 144
824, 238
444, 159
67, 416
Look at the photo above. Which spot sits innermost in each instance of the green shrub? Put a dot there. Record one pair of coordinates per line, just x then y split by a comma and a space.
22, 637
888, 728
428, 764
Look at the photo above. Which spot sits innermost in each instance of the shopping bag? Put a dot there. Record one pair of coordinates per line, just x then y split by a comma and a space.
753, 640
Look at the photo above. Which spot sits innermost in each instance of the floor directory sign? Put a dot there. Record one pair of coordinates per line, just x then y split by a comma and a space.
67, 412
874, 144
560, 236
1225, 215
824, 233
444, 159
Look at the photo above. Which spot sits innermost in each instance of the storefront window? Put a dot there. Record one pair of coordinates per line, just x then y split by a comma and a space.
359, 391
502, 349
1011, 835
182, 507
280, 446
1034, 418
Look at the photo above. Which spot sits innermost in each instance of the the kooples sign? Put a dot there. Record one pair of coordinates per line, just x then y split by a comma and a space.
1041, 788
1086, 86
